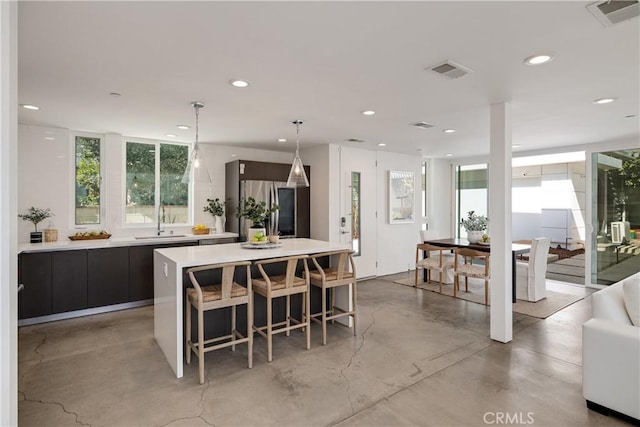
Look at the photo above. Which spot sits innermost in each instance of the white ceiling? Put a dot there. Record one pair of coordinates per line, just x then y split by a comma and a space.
324, 63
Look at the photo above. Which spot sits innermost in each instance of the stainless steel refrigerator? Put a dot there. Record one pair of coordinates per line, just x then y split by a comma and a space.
283, 220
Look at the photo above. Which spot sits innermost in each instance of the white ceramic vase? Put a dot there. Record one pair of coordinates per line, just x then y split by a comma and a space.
474, 236
218, 224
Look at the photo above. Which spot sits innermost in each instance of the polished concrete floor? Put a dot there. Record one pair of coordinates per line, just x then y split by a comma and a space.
419, 358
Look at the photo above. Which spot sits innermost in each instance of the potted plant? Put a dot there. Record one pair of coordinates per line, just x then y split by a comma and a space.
475, 225
36, 215
216, 208
256, 212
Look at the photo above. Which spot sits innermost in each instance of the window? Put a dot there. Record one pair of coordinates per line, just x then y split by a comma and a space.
355, 212
87, 180
154, 183
471, 192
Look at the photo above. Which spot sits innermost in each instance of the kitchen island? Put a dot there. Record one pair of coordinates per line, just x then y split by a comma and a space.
169, 264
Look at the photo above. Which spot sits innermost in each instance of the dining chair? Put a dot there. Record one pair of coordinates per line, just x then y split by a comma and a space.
285, 285
464, 266
435, 258
215, 296
330, 278
531, 283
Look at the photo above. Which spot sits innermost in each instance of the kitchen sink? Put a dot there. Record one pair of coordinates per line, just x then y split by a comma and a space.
168, 236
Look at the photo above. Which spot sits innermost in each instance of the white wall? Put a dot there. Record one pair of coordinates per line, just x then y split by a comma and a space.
319, 158
8, 213
440, 203
397, 242
45, 179
550, 201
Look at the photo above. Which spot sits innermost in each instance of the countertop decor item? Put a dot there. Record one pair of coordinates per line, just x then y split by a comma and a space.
36, 215
200, 229
216, 208
255, 211
90, 235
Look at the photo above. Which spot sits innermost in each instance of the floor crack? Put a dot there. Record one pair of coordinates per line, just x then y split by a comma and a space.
373, 322
64, 409
201, 405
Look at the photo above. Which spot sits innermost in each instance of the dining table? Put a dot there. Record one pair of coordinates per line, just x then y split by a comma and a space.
459, 242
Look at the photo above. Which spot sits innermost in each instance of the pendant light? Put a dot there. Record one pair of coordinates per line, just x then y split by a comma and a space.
297, 175
196, 164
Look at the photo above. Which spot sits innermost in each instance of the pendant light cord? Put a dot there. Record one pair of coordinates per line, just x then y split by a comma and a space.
197, 107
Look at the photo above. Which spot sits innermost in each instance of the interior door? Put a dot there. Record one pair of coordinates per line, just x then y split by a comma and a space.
358, 207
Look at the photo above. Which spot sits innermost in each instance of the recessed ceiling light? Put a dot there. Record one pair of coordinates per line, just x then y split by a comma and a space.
382, 144
449, 155
233, 155
183, 127
239, 83
116, 94
538, 59
29, 107
282, 139
515, 146
171, 135
449, 130
604, 100
368, 112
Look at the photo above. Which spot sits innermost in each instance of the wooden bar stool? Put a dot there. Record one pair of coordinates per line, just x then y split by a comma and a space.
227, 293
285, 285
331, 278
464, 267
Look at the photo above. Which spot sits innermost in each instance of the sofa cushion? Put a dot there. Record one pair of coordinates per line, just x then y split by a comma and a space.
631, 289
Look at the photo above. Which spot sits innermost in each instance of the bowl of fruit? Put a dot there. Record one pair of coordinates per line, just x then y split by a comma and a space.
200, 229
259, 238
90, 235
484, 240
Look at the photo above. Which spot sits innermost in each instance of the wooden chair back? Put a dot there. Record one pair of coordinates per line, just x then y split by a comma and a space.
226, 282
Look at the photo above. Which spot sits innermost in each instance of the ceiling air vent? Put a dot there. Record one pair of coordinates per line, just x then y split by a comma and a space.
423, 125
613, 12
449, 70
359, 141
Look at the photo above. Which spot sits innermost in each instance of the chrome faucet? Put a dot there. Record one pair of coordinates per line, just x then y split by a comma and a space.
160, 229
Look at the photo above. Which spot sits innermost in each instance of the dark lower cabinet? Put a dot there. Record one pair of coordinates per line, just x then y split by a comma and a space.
141, 269
35, 273
108, 276
68, 280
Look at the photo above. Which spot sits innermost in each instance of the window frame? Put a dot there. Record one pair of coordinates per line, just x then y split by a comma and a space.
73, 225
123, 211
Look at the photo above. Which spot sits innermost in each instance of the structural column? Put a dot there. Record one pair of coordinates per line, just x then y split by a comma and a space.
500, 222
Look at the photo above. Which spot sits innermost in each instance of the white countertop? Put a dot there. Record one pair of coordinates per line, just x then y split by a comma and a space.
64, 244
189, 256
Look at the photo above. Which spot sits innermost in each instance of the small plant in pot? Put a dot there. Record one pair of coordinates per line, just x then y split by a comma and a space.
256, 212
216, 208
475, 225
36, 216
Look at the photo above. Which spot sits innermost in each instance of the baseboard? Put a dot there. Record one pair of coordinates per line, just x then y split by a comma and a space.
606, 411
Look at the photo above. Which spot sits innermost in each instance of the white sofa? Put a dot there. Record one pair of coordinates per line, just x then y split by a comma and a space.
611, 354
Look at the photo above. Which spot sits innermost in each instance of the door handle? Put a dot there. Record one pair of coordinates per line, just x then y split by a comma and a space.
20, 287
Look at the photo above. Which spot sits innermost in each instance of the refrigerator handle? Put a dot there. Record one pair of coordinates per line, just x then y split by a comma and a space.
276, 215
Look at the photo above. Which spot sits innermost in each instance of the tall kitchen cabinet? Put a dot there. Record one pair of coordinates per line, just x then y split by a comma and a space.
246, 170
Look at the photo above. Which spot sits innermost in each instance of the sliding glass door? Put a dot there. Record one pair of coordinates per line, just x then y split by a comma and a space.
615, 215
471, 192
